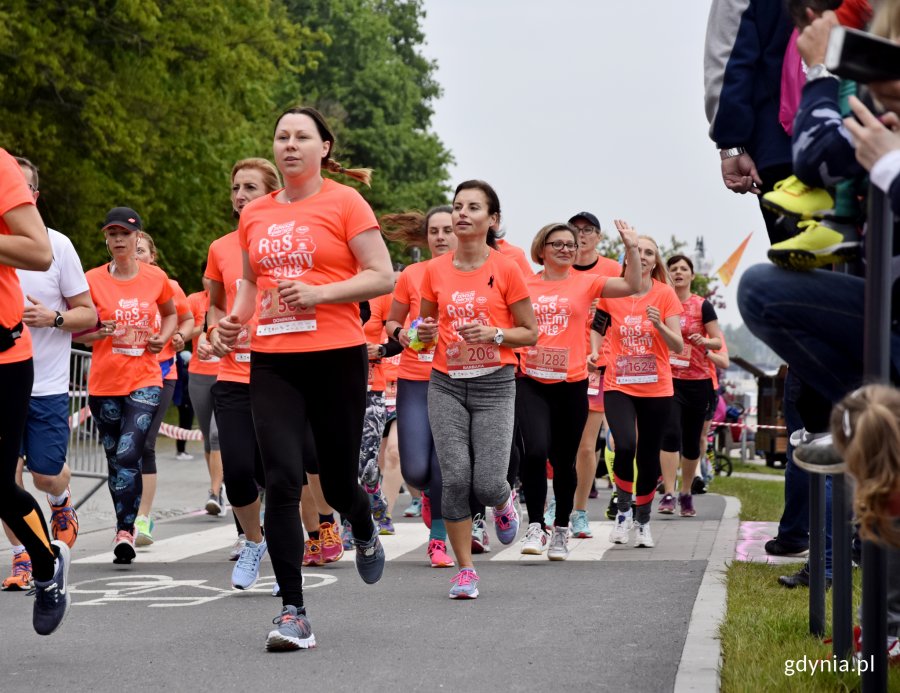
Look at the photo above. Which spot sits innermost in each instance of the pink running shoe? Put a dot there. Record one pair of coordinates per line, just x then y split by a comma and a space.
437, 551
123, 547
332, 546
312, 554
506, 521
426, 510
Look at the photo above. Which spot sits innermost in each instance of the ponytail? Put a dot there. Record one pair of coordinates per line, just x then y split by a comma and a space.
406, 227
363, 175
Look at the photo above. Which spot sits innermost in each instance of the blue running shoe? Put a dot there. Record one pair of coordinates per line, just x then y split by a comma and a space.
465, 585
293, 632
246, 570
414, 509
506, 521
581, 525
550, 513
51, 598
369, 559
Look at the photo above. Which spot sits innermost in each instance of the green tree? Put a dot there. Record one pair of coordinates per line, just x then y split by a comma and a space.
377, 91
144, 104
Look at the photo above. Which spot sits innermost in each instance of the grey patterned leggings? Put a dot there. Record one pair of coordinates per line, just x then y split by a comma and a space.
472, 425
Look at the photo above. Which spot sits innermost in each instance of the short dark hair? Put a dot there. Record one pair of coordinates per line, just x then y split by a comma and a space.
678, 258
25, 163
797, 9
493, 201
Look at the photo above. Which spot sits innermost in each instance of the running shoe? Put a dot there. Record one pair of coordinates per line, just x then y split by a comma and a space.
426, 510
581, 525
64, 521
20, 579
235, 552
559, 544
667, 505
698, 487
536, 540
246, 570
593, 492
613, 508
214, 504
686, 503
276, 590
817, 245
184, 456
293, 632
550, 513
369, 559
332, 547
776, 547
619, 532
480, 539
794, 198
346, 535
414, 509
123, 547
312, 553
51, 598
642, 536
437, 552
380, 514
465, 584
143, 530
506, 521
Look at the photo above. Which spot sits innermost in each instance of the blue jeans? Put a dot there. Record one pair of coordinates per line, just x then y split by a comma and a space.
814, 321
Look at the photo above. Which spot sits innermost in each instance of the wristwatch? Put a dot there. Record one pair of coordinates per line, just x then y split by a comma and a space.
498, 338
58, 320
731, 153
382, 350
819, 71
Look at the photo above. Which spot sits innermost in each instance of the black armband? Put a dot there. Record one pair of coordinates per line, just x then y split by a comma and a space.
600, 323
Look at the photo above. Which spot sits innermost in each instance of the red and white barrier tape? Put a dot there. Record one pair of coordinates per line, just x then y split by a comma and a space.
749, 426
170, 431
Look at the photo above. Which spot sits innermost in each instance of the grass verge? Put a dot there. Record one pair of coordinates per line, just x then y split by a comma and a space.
761, 501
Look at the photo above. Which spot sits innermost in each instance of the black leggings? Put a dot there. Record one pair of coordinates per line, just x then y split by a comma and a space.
148, 460
242, 466
685, 425
636, 424
327, 389
18, 508
551, 418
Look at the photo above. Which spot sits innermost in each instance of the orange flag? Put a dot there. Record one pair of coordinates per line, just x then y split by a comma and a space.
727, 270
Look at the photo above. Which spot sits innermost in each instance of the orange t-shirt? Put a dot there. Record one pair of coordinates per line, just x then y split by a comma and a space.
374, 332
122, 364
638, 357
691, 363
305, 241
181, 307
414, 365
559, 354
225, 264
516, 254
14, 193
484, 296
199, 303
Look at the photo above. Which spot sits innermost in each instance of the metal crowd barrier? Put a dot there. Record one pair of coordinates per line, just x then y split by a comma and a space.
86, 457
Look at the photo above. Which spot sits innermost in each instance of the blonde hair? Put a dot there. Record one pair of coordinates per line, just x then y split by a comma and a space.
886, 22
659, 273
411, 228
865, 427
537, 245
271, 179
144, 236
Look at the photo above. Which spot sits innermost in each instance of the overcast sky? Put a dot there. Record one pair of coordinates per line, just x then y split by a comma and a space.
588, 105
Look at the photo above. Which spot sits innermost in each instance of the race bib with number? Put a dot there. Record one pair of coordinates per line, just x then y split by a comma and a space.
426, 355
549, 363
242, 347
640, 368
472, 360
390, 394
277, 317
593, 384
682, 360
129, 340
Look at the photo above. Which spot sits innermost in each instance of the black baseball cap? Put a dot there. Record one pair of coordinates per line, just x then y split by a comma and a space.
125, 217
587, 216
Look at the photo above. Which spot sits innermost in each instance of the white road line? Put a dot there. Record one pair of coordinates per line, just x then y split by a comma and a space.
409, 536
579, 549
175, 548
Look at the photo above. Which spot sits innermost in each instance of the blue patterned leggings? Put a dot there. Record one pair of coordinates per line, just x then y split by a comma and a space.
123, 422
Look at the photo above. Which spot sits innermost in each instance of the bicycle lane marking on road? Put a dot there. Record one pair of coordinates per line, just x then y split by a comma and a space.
156, 590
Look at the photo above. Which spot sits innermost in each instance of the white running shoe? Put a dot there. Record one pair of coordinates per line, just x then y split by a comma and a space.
535, 541
237, 547
619, 532
559, 544
643, 537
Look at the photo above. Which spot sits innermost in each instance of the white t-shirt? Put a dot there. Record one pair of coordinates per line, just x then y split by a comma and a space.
52, 346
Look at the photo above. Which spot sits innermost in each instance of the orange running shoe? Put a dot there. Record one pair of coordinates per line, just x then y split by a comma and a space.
332, 546
312, 554
64, 521
21, 573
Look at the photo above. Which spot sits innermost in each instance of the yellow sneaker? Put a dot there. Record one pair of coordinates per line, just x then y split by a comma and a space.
794, 198
817, 245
